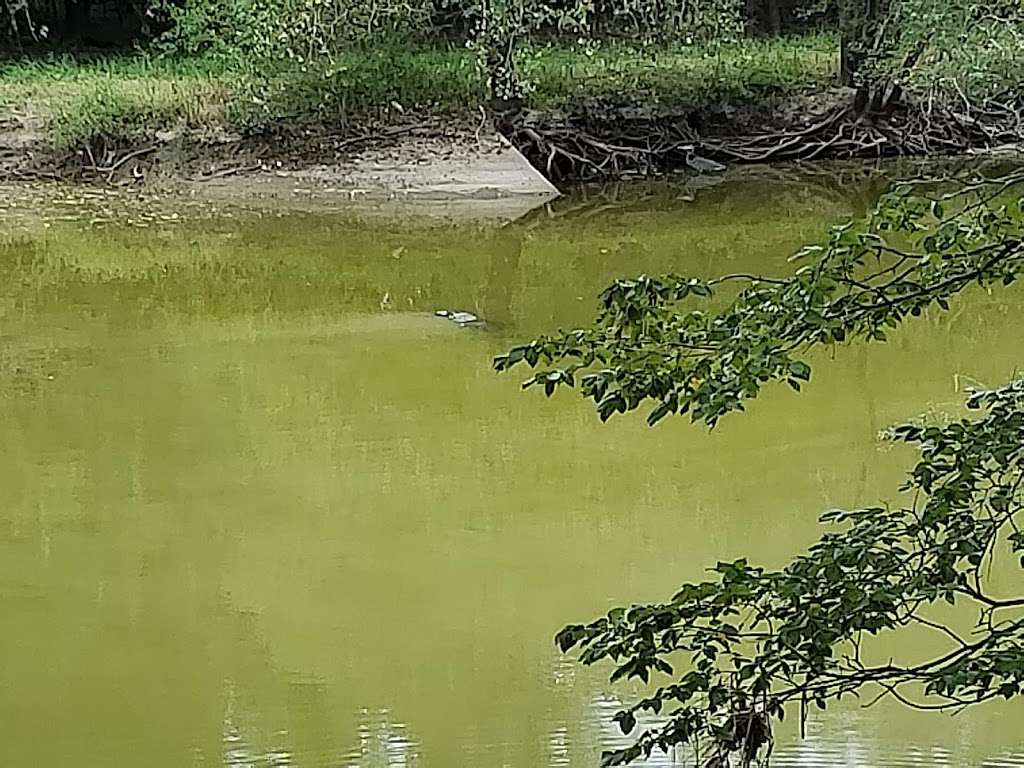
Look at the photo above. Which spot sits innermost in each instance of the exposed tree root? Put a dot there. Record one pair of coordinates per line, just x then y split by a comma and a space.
589, 146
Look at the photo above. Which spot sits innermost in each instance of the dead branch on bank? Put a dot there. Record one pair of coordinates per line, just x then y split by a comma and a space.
121, 161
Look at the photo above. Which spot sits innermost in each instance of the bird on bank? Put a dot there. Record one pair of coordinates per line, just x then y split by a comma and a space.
701, 164
459, 317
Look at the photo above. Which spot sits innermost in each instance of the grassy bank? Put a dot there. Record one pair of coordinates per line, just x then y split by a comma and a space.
73, 100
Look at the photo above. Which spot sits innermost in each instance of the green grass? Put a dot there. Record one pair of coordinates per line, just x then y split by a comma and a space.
355, 83
686, 75
77, 100
561, 77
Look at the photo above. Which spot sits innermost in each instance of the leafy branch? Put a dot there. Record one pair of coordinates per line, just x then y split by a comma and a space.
753, 641
733, 653
649, 343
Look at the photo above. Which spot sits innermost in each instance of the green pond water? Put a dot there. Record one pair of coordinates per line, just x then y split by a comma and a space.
259, 507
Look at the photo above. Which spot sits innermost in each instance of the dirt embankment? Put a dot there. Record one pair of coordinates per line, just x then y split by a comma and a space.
432, 164
435, 159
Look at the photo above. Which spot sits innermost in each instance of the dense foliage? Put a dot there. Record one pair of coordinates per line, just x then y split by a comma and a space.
303, 32
273, 25
934, 47
311, 34
953, 52
967, 49
731, 654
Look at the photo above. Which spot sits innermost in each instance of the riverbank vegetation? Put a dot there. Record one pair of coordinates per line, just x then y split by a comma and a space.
78, 99
921, 76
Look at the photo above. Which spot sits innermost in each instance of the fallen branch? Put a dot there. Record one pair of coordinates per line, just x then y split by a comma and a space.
111, 169
389, 133
225, 172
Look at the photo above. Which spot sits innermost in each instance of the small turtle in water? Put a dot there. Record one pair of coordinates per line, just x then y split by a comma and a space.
460, 318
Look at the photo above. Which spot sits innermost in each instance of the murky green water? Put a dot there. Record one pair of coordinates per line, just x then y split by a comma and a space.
261, 508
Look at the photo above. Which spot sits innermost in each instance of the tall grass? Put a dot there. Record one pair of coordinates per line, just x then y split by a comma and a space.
688, 74
79, 99
353, 83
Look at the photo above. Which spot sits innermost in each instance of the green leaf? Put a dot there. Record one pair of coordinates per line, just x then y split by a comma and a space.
800, 370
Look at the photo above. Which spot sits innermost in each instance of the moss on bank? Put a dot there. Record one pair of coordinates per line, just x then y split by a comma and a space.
77, 100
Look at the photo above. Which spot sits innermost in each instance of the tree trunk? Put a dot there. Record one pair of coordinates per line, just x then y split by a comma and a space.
862, 35
847, 62
506, 89
753, 15
501, 25
77, 17
774, 17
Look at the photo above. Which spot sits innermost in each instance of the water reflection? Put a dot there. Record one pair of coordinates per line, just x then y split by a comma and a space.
238, 752
382, 743
379, 742
844, 738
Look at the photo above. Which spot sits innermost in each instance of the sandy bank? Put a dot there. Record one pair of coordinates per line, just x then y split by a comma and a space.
449, 171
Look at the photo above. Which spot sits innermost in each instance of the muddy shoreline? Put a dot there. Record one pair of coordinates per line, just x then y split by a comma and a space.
433, 167
508, 167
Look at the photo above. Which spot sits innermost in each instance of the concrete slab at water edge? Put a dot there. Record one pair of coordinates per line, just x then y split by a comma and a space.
481, 178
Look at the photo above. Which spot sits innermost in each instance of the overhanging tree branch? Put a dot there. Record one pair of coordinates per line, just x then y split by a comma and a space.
913, 252
746, 644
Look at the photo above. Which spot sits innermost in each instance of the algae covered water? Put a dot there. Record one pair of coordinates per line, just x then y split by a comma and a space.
261, 507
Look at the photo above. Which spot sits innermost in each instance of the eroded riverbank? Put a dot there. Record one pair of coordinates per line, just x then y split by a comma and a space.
460, 157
